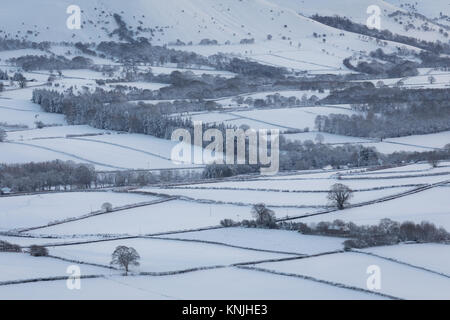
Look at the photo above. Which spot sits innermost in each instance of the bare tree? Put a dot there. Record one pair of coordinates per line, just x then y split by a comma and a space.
124, 257
431, 79
433, 161
340, 195
319, 138
263, 216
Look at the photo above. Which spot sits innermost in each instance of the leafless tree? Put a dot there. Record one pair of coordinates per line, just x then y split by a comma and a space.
263, 215
124, 257
340, 195
433, 161
431, 79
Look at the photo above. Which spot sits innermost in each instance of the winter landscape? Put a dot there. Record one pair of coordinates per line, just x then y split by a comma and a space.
334, 185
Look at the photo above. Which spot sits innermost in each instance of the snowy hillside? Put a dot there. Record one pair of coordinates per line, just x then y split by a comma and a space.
356, 175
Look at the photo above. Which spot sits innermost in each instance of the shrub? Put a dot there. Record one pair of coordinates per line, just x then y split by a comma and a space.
38, 251
227, 223
107, 207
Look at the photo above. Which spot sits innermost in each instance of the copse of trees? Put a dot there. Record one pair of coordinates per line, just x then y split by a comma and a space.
392, 120
263, 218
33, 62
143, 51
5, 246
15, 44
215, 171
47, 176
390, 70
38, 251
298, 155
387, 232
68, 176
357, 94
90, 109
388, 112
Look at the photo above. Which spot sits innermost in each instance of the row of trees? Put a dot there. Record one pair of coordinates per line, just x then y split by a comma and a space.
68, 176
90, 109
390, 120
387, 232
52, 175
33, 62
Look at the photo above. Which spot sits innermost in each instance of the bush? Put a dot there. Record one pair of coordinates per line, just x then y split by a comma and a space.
228, 223
38, 251
107, 207
9, 247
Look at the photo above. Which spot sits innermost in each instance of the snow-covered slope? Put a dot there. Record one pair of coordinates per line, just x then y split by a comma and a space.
188, 20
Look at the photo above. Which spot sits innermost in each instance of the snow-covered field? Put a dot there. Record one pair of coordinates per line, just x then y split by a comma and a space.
296, 118
271, 198
40, 209
398, 280
164, 217
233, 283
275, 240
178, 227
434, 257
21, 266
163, 255
430, 205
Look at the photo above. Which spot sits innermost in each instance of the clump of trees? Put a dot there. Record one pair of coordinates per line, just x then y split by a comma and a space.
340, 195
125, 257
263, 218
15, 44
304, 155
387, 232
5, 246
216, 171
389, 112
143, 51
33, 62
90, 109
38, 251
45, 176
386, 69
